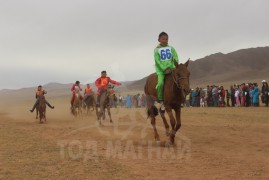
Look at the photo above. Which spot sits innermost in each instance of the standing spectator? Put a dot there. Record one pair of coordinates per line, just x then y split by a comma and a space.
251, 94
256, 95
193, 93
209, 96
228, 96
197, 97
233, 95
247, 96
128, 101
222, 96
187, 101
215, 95
242, 95
138, 101
202, 101
120, 100
265, 90
236, 95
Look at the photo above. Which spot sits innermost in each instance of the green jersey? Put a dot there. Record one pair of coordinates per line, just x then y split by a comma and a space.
164, 56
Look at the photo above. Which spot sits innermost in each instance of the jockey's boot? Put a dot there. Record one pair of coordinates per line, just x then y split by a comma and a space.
36, 103
162, 106
52, 107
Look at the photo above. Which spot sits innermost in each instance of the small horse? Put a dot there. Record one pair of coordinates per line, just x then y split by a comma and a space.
41, 108
105, 104
176, 87
89, 102
77, 105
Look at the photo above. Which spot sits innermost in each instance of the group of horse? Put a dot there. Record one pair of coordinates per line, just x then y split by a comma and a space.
90, 104
87, 104
176, 87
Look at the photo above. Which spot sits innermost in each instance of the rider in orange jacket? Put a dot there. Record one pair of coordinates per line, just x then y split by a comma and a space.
102, 84
38, 93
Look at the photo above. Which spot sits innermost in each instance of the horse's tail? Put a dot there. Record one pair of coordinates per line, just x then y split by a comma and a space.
150, 105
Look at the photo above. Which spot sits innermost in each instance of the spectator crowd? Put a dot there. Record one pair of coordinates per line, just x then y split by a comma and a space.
243, 95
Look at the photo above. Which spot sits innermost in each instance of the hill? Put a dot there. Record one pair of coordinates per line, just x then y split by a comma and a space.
245, 65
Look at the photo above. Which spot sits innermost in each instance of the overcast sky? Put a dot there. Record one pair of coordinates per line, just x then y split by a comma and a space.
68, 40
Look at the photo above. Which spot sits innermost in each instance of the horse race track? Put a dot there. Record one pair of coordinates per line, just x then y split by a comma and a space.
213, 143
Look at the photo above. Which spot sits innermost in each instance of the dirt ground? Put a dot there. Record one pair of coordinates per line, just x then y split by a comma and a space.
213, 143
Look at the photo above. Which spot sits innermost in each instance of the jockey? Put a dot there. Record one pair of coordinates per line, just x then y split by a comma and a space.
87, 92
102, 84
38, 93
75, 89
164, 56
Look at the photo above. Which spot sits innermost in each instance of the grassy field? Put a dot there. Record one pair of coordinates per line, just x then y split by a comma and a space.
213, 143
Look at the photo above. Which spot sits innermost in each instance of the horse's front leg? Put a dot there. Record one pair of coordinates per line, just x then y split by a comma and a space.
36, 113
97, 112
109, 114
178, 119
171, 139
45, 115
162, 113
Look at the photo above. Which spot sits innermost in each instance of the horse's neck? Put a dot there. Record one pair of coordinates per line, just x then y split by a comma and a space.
104, 96
41, 97
173, 89
77, 95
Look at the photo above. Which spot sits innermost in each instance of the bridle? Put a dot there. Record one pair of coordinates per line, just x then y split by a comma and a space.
177, 79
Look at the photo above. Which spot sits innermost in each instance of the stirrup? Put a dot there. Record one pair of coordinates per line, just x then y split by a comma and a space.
162, 107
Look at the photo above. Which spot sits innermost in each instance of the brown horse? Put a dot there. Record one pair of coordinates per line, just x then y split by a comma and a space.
41, 108
105, 104
77, 105
176, 87
89, 103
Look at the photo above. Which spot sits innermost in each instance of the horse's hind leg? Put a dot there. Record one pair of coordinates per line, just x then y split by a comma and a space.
153, 123
151, 114
40, 117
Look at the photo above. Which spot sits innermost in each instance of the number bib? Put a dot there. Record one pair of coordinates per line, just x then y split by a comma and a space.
165, 53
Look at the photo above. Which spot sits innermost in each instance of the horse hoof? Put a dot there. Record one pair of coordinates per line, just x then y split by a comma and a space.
167, 133
168, 144
111, 121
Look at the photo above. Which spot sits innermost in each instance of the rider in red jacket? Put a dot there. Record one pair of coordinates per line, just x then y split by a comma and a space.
73, 89
102, 84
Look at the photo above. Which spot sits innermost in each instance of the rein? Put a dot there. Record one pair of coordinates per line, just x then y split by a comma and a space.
177, 79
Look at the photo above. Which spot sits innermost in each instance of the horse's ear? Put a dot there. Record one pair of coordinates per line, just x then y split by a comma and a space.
175, 63
187, 63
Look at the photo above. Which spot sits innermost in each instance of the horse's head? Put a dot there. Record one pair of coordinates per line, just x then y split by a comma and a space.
181, 76
110, 90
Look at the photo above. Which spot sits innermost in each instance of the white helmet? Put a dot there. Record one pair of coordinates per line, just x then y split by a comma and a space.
263, 81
